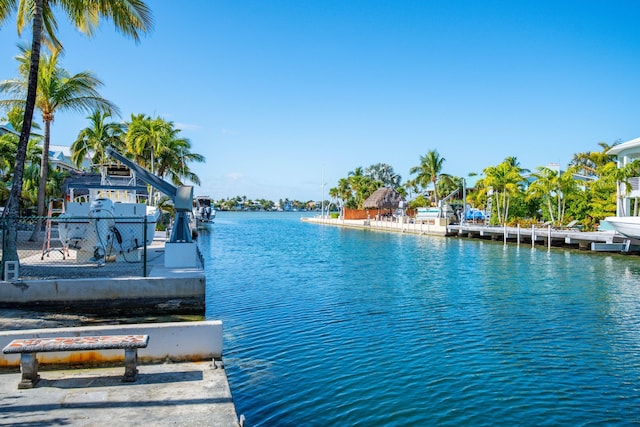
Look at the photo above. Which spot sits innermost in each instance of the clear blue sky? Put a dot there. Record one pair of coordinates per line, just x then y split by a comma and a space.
274, 92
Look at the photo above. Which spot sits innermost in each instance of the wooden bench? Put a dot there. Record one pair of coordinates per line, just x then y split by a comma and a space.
27, 348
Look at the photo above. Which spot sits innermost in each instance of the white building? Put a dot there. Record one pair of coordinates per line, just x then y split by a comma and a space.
626, 153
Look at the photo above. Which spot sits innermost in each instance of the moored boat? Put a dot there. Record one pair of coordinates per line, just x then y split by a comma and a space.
628, 226
203, 211
107, 219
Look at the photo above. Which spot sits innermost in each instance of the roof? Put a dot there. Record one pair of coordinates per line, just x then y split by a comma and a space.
383, 198
7, 128
632, 146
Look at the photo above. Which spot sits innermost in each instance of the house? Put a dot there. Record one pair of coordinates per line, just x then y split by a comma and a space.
626, 153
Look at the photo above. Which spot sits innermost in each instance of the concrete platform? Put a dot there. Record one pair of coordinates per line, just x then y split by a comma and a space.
113, 287
193, 394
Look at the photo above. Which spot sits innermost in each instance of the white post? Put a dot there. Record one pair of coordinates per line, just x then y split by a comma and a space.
533, 235
504, 235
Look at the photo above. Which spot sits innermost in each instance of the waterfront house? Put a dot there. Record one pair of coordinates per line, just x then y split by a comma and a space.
626, 153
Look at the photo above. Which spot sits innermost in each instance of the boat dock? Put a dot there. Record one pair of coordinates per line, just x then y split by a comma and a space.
543, 236
599, 241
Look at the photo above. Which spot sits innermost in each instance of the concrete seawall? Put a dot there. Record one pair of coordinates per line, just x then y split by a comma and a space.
186, 293
435, 226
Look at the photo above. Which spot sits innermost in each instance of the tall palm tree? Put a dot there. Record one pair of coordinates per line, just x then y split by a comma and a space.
174, 158
146, 137
506, 180
429, 171
93, 140
384, 173
57, 91
590, 161
546, 186
130, 17
356, 178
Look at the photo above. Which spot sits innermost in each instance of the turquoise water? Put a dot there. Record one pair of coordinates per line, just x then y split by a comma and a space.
325, 326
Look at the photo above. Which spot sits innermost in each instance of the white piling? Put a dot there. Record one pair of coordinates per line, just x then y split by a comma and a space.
533, 235
504, 234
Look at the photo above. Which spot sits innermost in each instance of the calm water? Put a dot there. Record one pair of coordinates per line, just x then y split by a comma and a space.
333, 327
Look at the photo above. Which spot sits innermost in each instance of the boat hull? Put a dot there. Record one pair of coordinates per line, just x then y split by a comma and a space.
203, 212
97, 233
628, 226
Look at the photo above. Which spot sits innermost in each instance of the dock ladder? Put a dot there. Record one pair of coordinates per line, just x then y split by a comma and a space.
56, 207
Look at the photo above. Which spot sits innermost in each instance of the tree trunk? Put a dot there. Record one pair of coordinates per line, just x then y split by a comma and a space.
435, 189
42, 188
10, 252
550, 209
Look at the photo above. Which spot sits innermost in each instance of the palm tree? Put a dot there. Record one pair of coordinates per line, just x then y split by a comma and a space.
57, 91
96, 138
590, 161
174, 158
145, 138
429, 171
156, 145
355, 178
8, 149
384, 173
345, 194
505, 179
131, 17
546, 186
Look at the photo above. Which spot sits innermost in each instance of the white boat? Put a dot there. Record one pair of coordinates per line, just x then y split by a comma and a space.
427, 213
107, 220
203, 211
628, 226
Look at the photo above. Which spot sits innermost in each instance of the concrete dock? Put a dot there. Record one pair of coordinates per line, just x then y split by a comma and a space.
181, 379
173, 394
541, 236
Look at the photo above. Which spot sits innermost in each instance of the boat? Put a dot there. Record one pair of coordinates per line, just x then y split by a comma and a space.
628, 226
432, 213
203, 211
474, 214
108, 220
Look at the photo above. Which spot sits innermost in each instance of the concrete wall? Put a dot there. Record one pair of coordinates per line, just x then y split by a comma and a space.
102, 291
175, 341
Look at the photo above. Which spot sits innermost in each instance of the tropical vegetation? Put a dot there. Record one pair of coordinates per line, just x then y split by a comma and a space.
585, 191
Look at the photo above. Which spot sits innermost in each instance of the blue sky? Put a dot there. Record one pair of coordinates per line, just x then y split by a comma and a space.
275, 92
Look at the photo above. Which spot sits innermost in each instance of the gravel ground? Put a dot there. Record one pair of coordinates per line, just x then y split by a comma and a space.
12, 319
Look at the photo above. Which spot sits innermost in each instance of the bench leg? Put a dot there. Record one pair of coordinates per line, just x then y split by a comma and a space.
29, 369
130, 365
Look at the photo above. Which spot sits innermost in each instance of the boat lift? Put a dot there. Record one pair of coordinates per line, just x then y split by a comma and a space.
182, 197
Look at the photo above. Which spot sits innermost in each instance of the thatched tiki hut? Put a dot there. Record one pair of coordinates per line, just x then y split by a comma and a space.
386, 199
